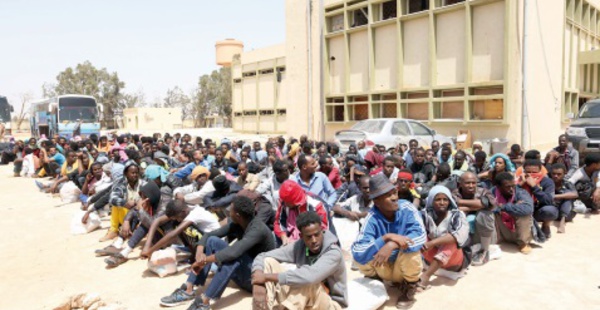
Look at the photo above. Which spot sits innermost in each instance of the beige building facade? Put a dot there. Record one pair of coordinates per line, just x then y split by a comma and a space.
451, 64
151, 118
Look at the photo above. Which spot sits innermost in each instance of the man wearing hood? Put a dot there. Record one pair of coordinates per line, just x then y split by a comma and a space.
388, 246
269, 188
447, 233
319, 280
293, 202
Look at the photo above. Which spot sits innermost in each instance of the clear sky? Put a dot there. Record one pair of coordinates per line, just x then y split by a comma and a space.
152, 45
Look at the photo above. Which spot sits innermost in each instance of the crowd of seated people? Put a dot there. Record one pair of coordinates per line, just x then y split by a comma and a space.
243, 210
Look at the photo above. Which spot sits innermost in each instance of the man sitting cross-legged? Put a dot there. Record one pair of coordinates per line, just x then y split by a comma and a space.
235, 261
319, 280
389, 243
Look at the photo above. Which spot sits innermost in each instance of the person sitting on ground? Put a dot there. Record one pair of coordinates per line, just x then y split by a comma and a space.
460, 164
479, 205
406, 188
293, 202
269, 188
515, 154
95, 181
514, 219
190, 224
389, 169
447, 234
124, 196
136, 225
319, 280
251, 236
409, 154
52, 161
567, 155
480, 164
220, 162
70, 166
587, 182
531, 154
422, 170
430, 157
222, 197
498, 163
315, 182
388, 246
245, 179
351, 214
565, 195
328, 168
194, 193
541, 189
444, 177
445, 156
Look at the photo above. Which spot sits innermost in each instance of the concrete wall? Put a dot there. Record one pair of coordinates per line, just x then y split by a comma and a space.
152, 118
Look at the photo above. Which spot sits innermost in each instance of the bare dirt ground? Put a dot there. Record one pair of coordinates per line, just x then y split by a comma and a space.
42, 264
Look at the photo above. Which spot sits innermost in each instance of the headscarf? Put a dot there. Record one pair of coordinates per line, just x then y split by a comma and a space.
440, 189
510, 167
121, 150
292, 194
155, 171
128, 164
199, 170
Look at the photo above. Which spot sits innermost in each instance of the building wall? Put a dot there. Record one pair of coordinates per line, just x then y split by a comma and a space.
260, 97
152, 118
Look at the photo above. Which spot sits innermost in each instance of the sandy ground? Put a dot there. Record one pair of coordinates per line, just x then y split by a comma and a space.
42, 265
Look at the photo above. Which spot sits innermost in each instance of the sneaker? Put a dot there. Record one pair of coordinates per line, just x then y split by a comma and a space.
198, 305
481, 258
178, 297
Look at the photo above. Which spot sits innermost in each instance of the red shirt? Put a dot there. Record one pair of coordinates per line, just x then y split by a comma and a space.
334, 178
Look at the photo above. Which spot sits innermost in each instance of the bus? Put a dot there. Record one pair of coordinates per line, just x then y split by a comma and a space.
5, 110
67, 116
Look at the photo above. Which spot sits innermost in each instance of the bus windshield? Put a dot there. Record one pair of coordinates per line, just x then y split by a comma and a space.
77, 109
4, 110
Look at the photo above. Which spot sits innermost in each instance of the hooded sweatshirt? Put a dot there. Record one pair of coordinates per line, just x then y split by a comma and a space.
455, 222
329, 267
407, 222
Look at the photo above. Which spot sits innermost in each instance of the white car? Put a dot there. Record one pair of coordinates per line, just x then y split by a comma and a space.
388, 132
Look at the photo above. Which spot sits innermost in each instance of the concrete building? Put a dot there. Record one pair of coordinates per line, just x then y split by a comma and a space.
451, 64
151, 118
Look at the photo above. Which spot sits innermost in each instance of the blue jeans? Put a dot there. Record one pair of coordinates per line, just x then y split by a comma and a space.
238, 270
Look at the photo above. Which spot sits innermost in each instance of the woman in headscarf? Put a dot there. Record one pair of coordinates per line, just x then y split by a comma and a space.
123, 197
120, 151
498, 163
137, 224
447, 233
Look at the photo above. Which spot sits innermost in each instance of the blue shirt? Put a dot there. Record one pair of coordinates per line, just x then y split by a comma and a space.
258, 156
185, 171
59, 159
407, 222
319, 185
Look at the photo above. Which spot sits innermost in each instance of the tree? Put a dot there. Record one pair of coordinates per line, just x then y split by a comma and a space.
25, 99
85, 79
213, 96
176, 98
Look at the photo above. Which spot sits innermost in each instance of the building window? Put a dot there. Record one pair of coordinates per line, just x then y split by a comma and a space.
415, 6
335, 113
360, 17
448, 110
389, 10
417, 110
451, 2
486, 110
336, 23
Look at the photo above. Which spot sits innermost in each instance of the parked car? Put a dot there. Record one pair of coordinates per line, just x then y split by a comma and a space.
584, 131
388, 132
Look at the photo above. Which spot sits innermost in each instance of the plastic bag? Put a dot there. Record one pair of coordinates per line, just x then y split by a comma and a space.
366, 294
69, 192
78, 228
347, 231
163, 262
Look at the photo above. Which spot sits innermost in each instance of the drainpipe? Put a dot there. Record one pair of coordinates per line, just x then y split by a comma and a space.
321, 76
525, 119
309, 66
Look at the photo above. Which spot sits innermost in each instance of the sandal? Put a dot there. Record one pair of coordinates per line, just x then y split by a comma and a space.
109, 250
115, 260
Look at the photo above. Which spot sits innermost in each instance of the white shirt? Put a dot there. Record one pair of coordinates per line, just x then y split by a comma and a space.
205, 220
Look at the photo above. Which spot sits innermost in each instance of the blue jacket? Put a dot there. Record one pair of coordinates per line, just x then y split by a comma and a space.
522, 205
544, 193
407, 223
185, 171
